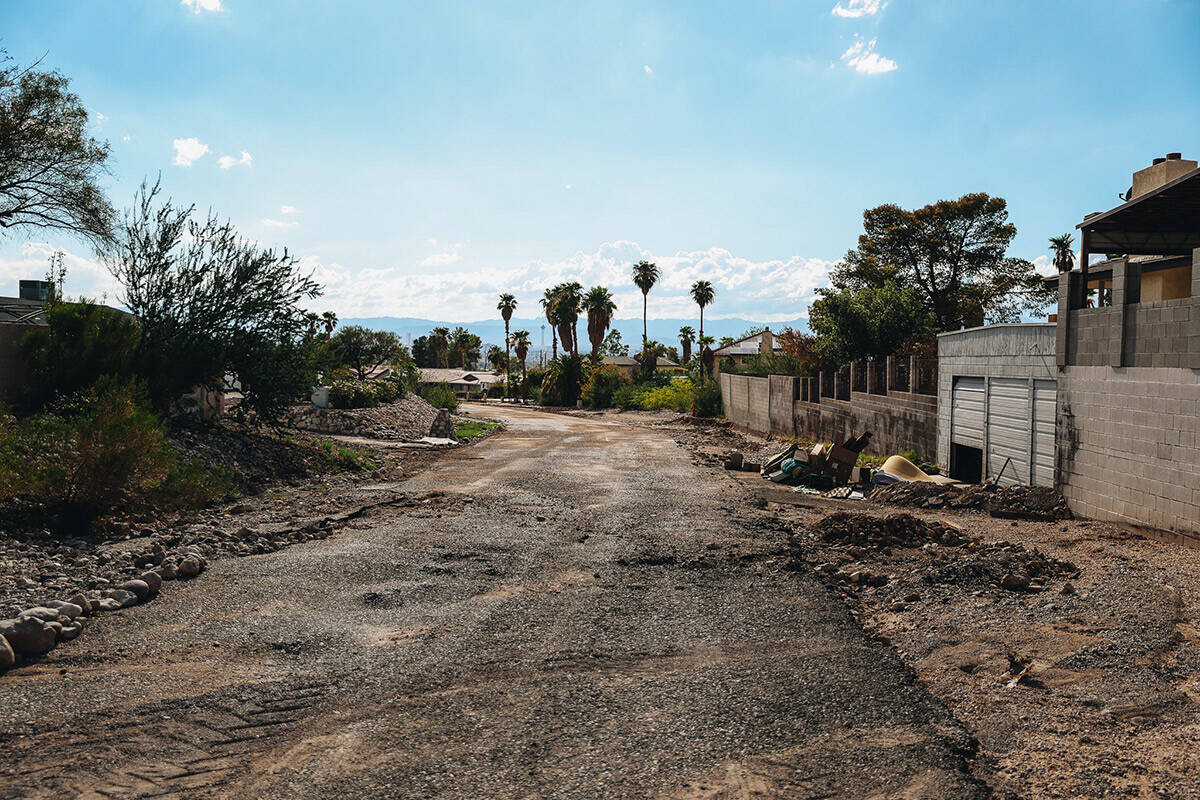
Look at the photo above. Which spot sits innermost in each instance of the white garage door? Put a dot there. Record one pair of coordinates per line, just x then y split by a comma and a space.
1044, 402
966, 412
1009, 421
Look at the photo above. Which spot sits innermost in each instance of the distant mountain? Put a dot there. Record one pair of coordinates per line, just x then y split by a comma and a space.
491, 331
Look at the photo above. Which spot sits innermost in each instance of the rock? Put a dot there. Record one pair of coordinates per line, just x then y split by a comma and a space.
168, 571
1015, 582
153, 580
41, 612
28, 635
7, 656
1068, 588
71, 610
124, 597
84, 604
70, 631
138, 587
189, 567
108, 604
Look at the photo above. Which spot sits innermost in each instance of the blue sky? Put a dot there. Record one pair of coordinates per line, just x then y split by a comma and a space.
423, 156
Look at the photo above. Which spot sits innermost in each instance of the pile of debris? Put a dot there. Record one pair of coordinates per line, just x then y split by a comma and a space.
1010, 502
1003, 564
408, 419
894, 530
821, 468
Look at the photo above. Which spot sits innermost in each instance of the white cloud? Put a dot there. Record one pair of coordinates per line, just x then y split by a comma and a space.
86, 276
126, 138
100, 120
280, 223
646, 68
861, 57
859, 8
287, 209
203, 5
444, 257
771, 291
188, 150
229, 161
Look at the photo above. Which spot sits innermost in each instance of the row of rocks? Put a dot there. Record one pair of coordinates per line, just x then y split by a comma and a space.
37, 630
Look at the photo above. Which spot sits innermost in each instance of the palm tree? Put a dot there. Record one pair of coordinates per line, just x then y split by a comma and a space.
645, 275
703, 293
549, 306
440, 338
686, 337
496, 357
570, 300
707, 359
599, 305
1064, 255
521, 346
506, 306
330, 321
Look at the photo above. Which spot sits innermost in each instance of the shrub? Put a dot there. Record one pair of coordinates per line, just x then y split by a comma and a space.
677, 396
440, 395
351, 393
706, 399
349, 459
561, 383
601, 385
627, 397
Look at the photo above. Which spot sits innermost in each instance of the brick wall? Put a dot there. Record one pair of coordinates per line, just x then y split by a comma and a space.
898, 421
1129, 445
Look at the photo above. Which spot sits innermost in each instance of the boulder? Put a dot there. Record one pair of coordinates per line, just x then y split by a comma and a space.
108, 604
168, 571
153, 580
65, 608
80, 600
28, 635
7, 656
190, 567
41, 612
71, 630
124, 597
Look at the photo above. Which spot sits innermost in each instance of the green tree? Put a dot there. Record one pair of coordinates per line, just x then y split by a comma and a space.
497, 357
952, 254
703, 293
363, 350
687, 335
49, 167
440, 339
521, 348
550, 309
329, 321
209, 302
506, 307
871, 323
613, 346
599, 305
1063, 248
465, 348
423, 352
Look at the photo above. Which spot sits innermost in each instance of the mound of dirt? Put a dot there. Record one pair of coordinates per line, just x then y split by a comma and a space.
407, 419
256, 457
1010, 502
894, 530
1004, 565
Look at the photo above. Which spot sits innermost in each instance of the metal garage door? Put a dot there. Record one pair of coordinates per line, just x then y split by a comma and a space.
1009, 420
1044, 402
966, 412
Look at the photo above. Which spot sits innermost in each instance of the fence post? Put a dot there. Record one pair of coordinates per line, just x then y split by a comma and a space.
890, 374
855, 366
914, 374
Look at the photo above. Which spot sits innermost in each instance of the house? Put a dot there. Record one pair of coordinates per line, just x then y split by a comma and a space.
464, 383
629, 366
1128, 357
751, 346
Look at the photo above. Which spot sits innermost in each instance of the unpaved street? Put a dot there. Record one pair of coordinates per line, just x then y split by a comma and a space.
581, 614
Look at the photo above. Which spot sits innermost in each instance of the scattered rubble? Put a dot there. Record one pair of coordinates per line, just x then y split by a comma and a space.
408, 419
894, 530
1009, 502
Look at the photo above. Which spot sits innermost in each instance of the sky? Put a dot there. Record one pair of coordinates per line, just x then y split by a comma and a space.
422, 157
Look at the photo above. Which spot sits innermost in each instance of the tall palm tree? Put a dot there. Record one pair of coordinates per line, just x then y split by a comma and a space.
550, 308
440, 338
506, 307
599, 305
330, 321
521, 346
686, 336
703, 293
707, 359
496, 357
645, 275
1064, 254
570, 300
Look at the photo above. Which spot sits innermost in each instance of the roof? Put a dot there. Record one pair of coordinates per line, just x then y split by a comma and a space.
747, 346
15, 309
630, 361
1162, 222
462, 377
1103, 269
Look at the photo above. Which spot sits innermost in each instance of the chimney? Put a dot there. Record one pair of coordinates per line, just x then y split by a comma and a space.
1161, 172
37, 291
766, 343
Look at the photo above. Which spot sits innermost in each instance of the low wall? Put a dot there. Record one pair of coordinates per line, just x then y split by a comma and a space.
898, 421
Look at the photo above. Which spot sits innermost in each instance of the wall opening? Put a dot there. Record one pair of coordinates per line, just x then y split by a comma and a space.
966, 463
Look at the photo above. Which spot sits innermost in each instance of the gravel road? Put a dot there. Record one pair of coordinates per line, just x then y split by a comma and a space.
584, 613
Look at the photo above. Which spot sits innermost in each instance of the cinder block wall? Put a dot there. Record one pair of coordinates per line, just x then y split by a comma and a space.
1018, 350
1129, 445
898, 422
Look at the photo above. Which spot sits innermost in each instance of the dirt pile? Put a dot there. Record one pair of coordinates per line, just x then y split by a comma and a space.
1001, 564
407, 419
894, 530
1009, 502
256, 458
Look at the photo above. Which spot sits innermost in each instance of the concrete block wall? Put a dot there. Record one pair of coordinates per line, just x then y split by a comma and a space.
1017, 350
898, 421
1129, 445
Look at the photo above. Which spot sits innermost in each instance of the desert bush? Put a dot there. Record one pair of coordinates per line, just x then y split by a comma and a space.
352, 393
602, 384
628, 397
340, 457
562, 381
440, 395
706, 399
676, 396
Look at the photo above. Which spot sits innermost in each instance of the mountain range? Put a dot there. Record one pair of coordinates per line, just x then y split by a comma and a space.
491, 331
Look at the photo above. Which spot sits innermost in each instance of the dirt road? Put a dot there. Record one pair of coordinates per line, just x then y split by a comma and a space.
585, 613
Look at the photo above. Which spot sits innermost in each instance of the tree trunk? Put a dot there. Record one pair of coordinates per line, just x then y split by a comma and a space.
701, 322
507, 365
